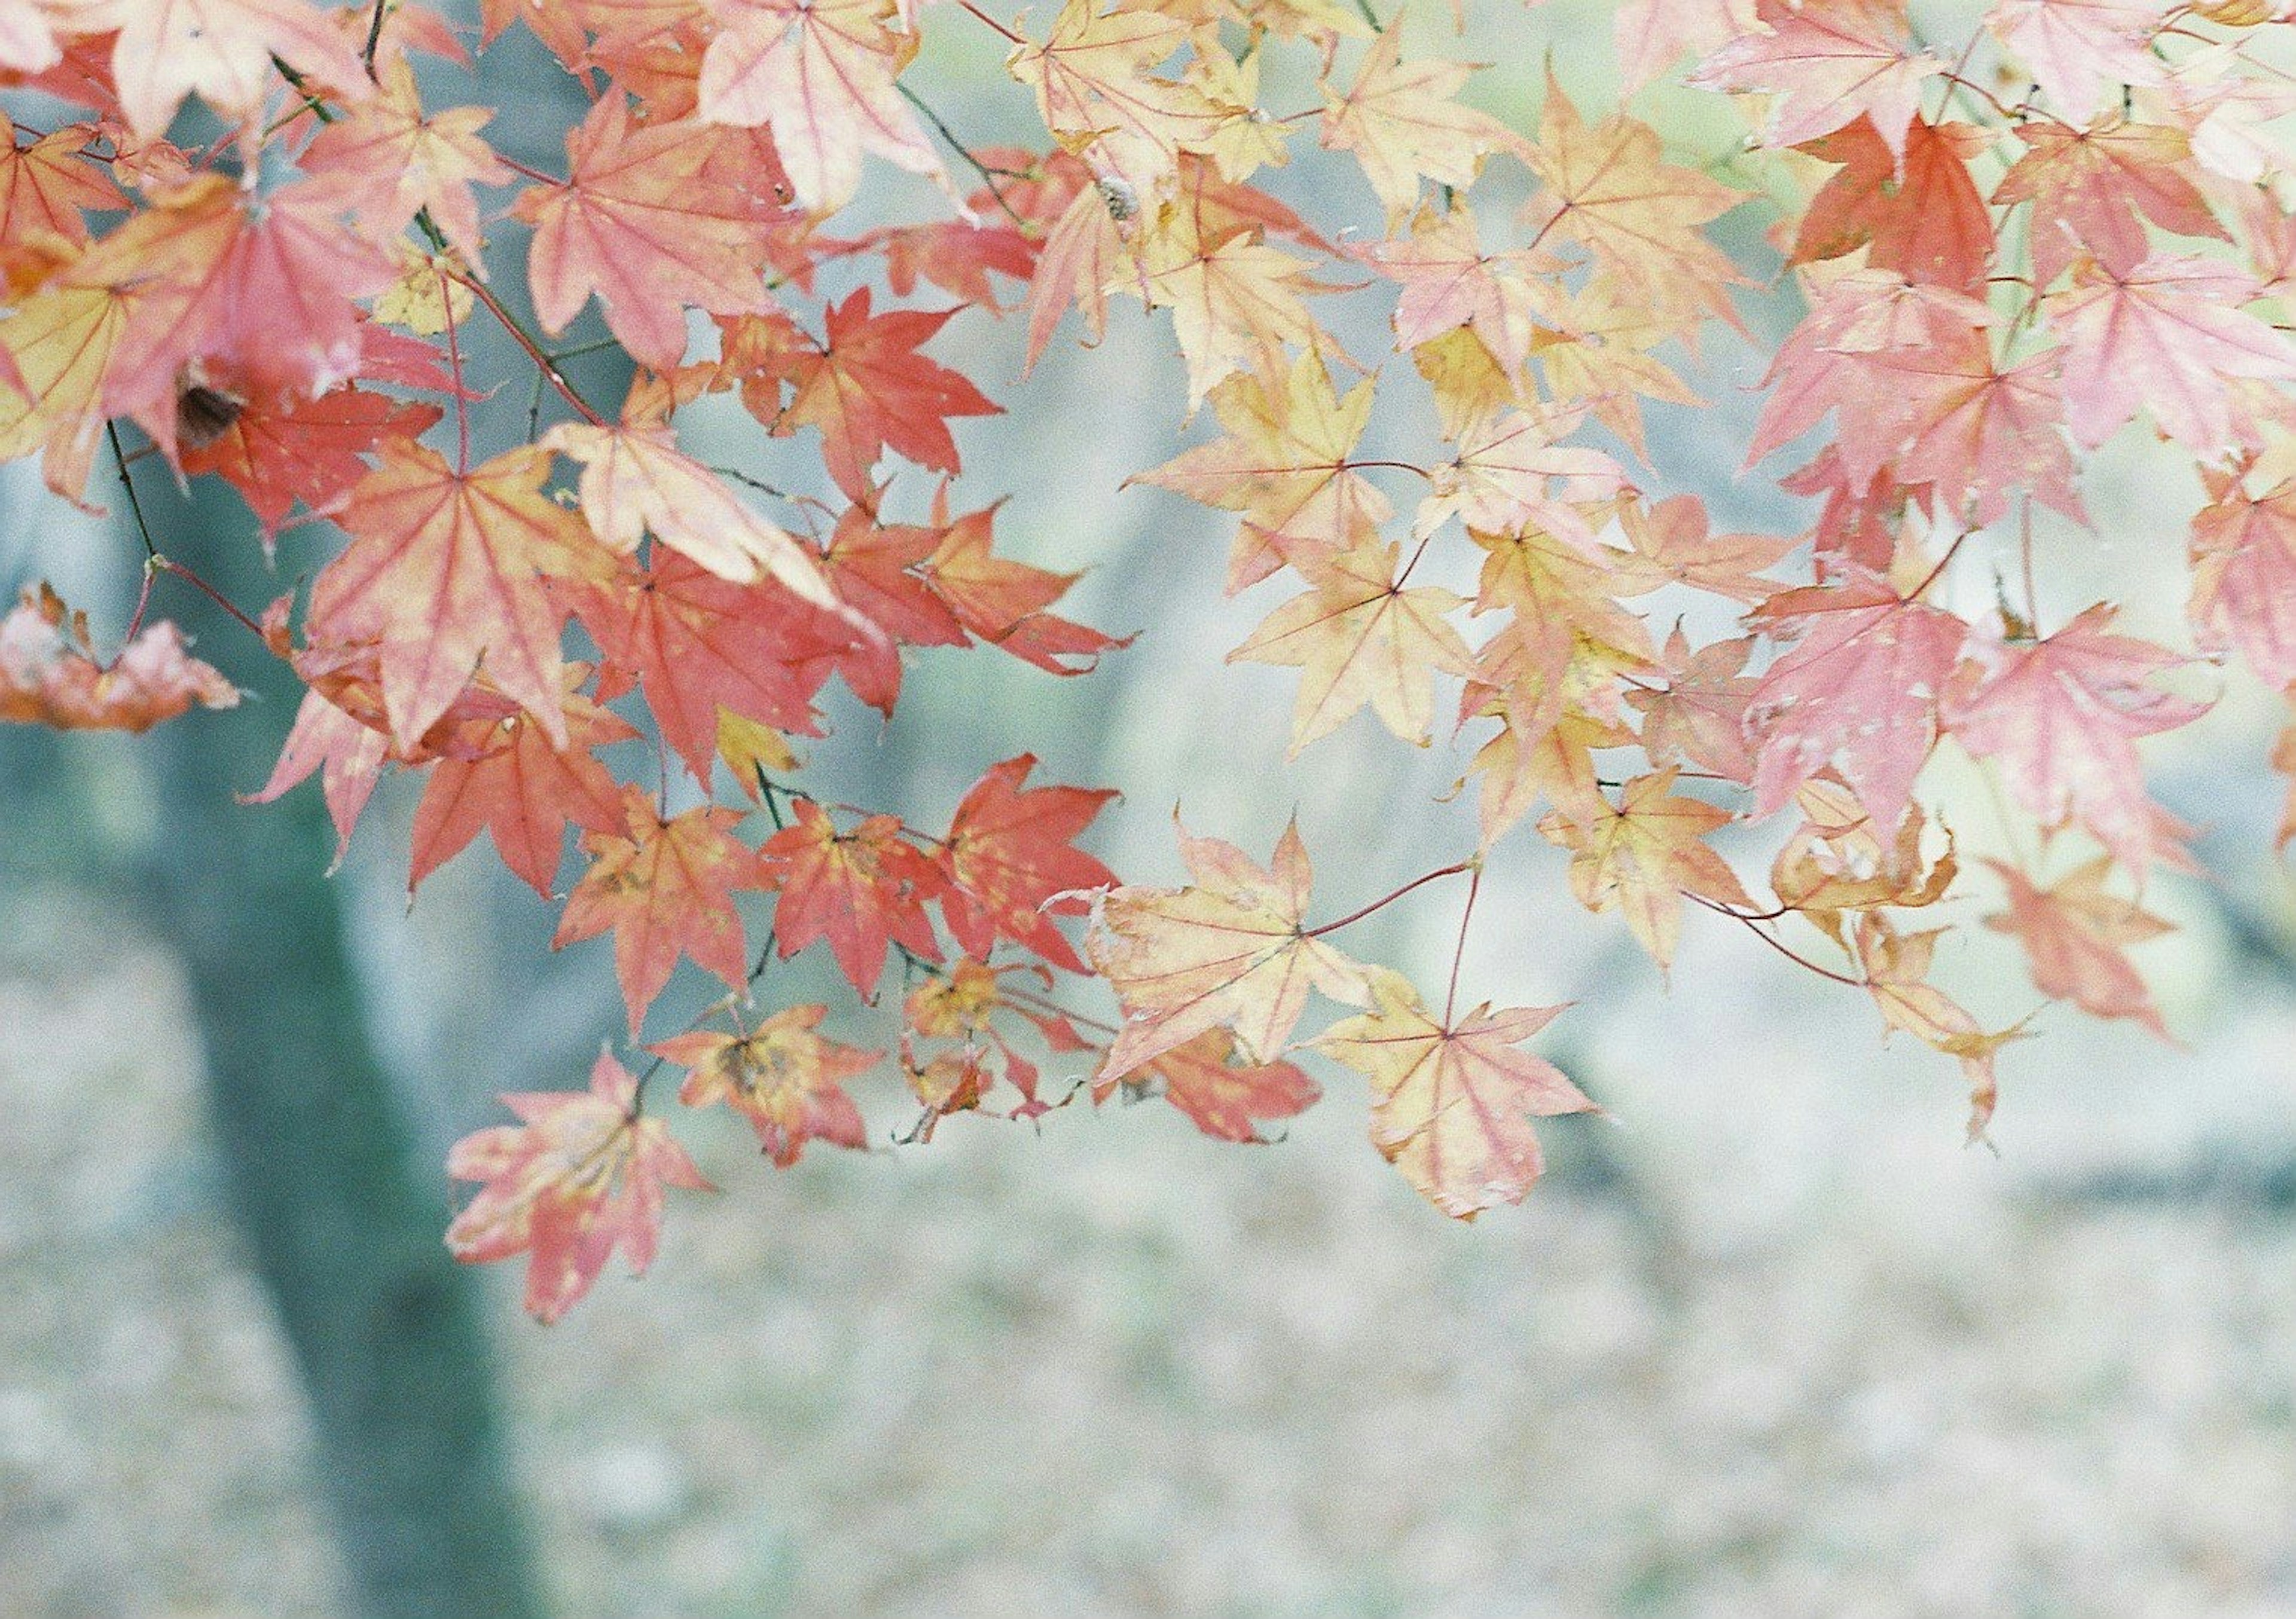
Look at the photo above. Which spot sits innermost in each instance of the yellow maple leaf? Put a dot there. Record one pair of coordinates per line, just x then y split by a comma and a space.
1359, 637
1452, 1102
1235, 300
1403, 123
1643, 854
1609, 189
1230, 951
1284, 462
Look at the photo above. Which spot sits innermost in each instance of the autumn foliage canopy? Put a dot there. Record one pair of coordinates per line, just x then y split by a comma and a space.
249, 240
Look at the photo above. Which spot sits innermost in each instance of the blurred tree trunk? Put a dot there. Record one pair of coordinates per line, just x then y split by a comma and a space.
341, 1217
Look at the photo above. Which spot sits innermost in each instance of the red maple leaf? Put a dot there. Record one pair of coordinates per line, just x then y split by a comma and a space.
523, 788
867, 387
1008, 855
578, 1176
862, 890
665, 888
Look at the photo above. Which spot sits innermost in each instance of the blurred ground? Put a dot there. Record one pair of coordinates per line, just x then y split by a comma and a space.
1796, 1353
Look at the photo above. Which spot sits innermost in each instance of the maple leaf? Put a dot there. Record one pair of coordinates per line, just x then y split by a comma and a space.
1359, 637
1827, 62
256, 292
1008, 857
782, 1075
1452, 1102
636, 482
651, 221
348, 756
49, 675
1403, 123
443, 571
2079, 51
1837, 861
1979, 437
2074, 934
58, 347
1284, 462
821, 72
2093, 189
2243, 551
523, 788
47, 183
221, 50
703, 647
879, 569
390, 162
1897, 969
1861, 326
1651, 36
1859, 691
1671, 546
1230, 951
578, 1176
1505, 474
1593, 346
1097, 94
862, 890
867, 387
1643, 854
2060, 715
1236, 301
280, 450
1700, 717
1223, 1097
2167, 335
1002, 601
664, 888
1075, 266
1915, 209
1449, 281
955, 257
1607, 189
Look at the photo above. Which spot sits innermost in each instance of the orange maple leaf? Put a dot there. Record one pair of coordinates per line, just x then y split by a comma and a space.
862, 890
654, 217
782, 1075
2075, 936
1008, 858
1223, 1096
523, 788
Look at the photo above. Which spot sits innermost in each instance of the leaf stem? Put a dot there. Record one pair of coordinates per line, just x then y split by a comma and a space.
528, 341
1754, 926
940, 126
1382, 903
992, 22
1459, 951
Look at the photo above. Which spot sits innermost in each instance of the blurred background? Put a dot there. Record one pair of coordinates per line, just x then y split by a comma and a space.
1768, 1340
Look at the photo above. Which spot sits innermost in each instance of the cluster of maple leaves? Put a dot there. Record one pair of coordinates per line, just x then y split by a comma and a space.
2009, 248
